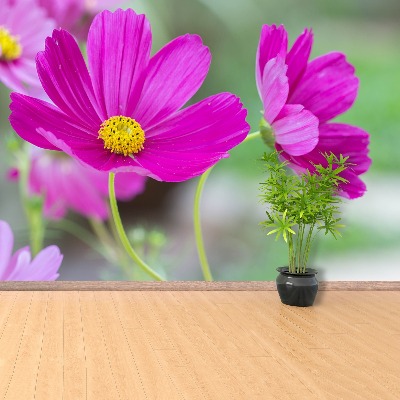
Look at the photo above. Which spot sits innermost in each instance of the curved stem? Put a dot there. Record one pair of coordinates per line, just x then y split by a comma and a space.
251, 136
121, 232
197, 227
196, 217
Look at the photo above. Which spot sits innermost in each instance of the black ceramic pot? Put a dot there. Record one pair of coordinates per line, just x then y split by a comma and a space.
297, 289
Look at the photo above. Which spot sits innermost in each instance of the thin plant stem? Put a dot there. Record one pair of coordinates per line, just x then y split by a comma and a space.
205, 266
122, 256
122, 234
308, 247
291, 253
299, 247
32, 210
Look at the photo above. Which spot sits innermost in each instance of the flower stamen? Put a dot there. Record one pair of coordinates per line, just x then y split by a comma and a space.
10, 48
122, 135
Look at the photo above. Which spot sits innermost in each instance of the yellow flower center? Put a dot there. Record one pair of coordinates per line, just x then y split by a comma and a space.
122, 135
10, 49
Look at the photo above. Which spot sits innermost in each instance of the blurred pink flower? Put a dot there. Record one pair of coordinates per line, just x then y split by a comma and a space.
20, 266
76, 16
67, 184
300, 98
125, 115
23, 28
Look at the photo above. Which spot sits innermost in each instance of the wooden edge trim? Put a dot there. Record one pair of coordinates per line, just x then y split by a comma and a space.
185, 285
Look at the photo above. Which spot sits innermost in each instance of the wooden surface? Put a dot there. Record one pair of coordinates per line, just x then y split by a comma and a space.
198, 345
186, 285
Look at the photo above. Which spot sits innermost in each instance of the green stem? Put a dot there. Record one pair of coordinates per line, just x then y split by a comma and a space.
122, 234
307, 247
292, 256
205, 267
32, 205
252, 136
299, 246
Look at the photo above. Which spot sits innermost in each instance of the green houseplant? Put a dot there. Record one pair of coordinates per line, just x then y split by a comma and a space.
300, 206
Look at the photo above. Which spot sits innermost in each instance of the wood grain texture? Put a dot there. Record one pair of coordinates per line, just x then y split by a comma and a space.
185, 286
182, 344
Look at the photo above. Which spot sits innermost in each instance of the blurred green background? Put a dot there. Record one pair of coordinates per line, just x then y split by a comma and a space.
368, 32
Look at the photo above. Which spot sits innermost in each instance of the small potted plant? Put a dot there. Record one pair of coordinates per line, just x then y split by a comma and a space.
300, 206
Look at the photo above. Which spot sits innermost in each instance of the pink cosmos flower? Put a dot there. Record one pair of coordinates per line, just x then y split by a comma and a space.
23, 27
300, 99
125, 115
67, 184
20, 266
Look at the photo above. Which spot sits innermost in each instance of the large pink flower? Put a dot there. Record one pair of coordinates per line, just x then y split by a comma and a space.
23, 27
67, 184
300, 98
20, 266
125, 115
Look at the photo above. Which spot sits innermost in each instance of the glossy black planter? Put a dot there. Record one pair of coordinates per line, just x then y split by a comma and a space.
297, 289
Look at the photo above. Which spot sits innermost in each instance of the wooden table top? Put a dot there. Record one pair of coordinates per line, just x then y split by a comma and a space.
198, 343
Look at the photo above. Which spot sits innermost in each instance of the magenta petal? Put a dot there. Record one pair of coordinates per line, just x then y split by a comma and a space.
348, 140
297, 57
194, 139
273, 41
93, 154
296, 130
31, 117
339, 139
118, 49
174, 75
6, 245
275, 88
127, 184
327, 88
65, 78
89, 202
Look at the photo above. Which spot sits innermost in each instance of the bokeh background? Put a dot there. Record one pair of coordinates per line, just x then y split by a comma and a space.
368, 32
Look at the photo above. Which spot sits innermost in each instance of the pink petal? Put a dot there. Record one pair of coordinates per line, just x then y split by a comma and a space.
327, 88
65, 78
118, 49
296, 130
348, 140
273, 41
275, 88
297, 57
174, 75
19, 256
339, 139
127, 184
93, 154
80, 195
44, 267
19, 266
24, 70
31, 117
44, 180
9, 79
6, 246
195, 138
